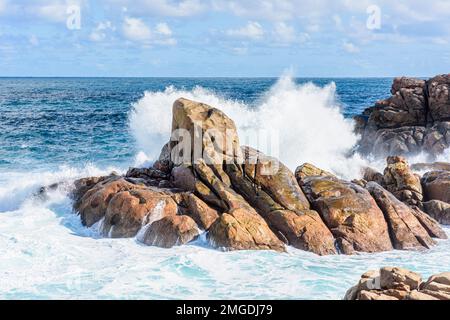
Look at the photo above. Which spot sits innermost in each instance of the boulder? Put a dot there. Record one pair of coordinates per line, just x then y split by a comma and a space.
300, 228
436, 186
350, 213
429, 223
439, 97
309, 170
415, 118
213, 135
405, 230
171, 231
435, 166
399, 179
93, 204
198, 210
392, 283
129, 211
243, 230
438, 210
398, 278
370, 174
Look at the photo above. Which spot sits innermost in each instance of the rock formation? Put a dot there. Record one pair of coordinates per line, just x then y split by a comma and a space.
246, 200
415, 118
392, 283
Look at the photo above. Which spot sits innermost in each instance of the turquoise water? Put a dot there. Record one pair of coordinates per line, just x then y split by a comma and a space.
56, 130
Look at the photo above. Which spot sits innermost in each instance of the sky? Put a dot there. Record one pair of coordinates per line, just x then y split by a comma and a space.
224, 38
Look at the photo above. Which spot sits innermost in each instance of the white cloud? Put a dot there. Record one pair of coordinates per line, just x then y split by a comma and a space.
284, 32
170, 8
33, 40
163, 28
135, 29
253, 30
100, 31
350, 47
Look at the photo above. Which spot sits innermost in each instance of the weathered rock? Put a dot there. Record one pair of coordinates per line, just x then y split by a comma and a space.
391, 283
438, 210
407, 106
93, 204
81, 186
243, 230
431, 225
350, 213
309, 170
439, 97
302, 228
213, 134
414, 119
405, 230
436, 186
370, 174
435, 166
198, 210
402, 182
276, 179
171, 231
398, 278
129, 211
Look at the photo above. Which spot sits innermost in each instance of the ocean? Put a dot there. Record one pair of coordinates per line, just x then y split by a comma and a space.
59, 129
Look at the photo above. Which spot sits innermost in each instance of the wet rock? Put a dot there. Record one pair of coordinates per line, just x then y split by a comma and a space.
309, 170
171, 231
402, 182
350, 213
436, 186
93, 204
435, 166
405, 230
439, 97
198, 210
438, 210
129, 211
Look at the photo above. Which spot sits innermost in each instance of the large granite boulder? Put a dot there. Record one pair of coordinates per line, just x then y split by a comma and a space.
392, 283
405, 230
349, 212
170, 231
129, 211
436, 186
439, 97
438, 210
402, 182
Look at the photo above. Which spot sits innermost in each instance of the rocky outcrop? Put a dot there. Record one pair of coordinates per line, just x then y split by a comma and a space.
246, 200
349, 212
391, 283
399, 179
435, 166
438, 210
405, 230
436, 186
415, 118
170, 231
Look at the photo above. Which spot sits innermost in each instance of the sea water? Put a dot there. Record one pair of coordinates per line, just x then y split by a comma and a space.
59, 129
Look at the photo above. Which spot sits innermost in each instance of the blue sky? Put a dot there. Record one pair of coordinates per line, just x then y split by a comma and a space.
325, 38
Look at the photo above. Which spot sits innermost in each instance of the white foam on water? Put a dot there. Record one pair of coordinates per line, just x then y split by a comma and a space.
307, 120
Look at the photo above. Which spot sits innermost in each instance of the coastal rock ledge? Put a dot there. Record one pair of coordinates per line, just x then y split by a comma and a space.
245, 200
392, 283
